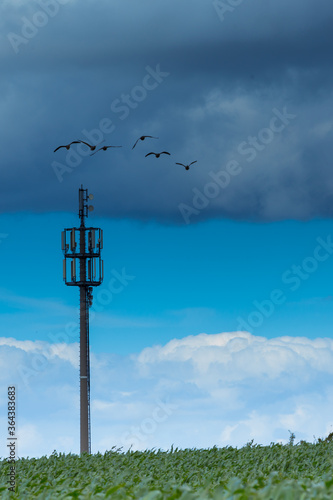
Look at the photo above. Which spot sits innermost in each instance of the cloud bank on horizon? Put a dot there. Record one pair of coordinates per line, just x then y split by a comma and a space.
245, 91
199, 391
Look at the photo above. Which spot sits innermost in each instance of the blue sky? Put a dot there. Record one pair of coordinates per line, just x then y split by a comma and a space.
173, 281
224, 303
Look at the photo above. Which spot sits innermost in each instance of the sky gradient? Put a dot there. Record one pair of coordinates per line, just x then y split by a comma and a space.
218, 330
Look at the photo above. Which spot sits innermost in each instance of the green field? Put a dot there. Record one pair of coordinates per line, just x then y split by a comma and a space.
291, 471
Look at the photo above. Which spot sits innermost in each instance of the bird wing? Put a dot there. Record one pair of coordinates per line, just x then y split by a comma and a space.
150, 154
165, 152
96, 151
86, 144
75, 142
180, 164
135, 143
193, 162
58, 148
151, 136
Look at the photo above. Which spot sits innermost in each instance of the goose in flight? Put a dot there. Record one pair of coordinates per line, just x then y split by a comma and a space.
157, 155
67, 146
104, 148
92, 148
142, 138
187, 167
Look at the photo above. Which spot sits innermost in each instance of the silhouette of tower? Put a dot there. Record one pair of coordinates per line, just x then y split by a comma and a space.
83, 267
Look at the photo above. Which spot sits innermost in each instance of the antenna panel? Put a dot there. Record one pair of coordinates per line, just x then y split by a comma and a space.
91, 240
73, 270
73, 242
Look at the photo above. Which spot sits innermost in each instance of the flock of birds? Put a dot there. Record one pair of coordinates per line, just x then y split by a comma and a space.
104, 148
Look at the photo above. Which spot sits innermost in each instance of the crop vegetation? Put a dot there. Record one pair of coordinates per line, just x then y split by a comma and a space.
292, 471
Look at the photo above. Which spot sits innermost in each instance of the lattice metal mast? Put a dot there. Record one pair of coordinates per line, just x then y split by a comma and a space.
82, 251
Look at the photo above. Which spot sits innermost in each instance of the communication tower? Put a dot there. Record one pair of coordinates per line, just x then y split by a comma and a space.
83, 267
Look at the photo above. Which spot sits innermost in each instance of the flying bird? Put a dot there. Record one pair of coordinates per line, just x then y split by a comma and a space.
67, 146
187, 167
142, 138
92, 148
104, 148
158, 154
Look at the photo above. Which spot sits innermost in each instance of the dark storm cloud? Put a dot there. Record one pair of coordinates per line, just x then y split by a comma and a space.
253, 88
